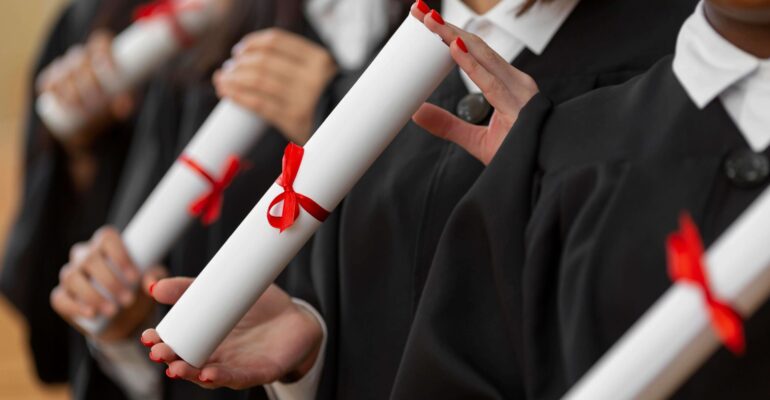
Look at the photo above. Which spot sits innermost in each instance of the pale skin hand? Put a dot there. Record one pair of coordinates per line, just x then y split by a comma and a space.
72, 80
276, 340
506, 88
76, 296
280, 76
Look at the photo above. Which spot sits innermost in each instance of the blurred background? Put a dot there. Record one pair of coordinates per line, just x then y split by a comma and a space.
23, 23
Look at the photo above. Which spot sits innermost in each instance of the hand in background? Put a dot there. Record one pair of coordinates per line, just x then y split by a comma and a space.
103, 261
280, 76
72, 78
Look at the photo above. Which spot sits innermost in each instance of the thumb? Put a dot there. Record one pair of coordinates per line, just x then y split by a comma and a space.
168, 291
443, 124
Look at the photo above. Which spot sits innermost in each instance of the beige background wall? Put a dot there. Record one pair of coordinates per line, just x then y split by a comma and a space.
23, 23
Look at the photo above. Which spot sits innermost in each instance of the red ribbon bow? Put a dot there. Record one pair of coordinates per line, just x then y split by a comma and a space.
209, 205
685, 264
168, 9
292, 201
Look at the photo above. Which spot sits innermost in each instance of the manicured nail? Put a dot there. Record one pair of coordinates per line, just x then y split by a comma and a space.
168, 374
422, 6
153, 359
147, 343
200, 379
152, 288
436, 17
461, 44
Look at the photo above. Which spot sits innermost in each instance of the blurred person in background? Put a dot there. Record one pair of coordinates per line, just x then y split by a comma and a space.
68, 184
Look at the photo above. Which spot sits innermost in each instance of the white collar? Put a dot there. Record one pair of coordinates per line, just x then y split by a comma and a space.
705, 63
535, 28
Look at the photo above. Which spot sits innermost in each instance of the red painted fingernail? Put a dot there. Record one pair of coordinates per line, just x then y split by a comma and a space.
168, 374
157, 360
461, 44
152, 288
203, 380
422, 6
436, 17
146, 343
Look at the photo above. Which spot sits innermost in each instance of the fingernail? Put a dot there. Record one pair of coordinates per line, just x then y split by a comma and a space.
461, 44
422, 6
147, 343
228, 65
436, 17
238, 48
152, 288
153, 359
168, 374
200, 379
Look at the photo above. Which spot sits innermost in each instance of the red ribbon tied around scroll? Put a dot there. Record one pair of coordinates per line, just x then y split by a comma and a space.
209, 205
168, 9
292, 201
686, 264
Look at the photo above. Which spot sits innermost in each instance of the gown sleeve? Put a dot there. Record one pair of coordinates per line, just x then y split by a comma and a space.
463, 343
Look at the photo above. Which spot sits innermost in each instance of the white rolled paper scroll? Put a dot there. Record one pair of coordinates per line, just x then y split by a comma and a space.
672, 339
402, 76
137, 51
230, 130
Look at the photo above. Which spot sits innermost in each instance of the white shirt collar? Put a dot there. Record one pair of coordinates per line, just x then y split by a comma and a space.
351, 29
705, 63
535, 28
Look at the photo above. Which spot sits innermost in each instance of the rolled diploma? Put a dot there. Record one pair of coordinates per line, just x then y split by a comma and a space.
674, 337
137, 51
407, 70
163, 218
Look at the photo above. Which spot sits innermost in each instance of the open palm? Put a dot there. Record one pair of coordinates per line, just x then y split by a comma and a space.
276, 339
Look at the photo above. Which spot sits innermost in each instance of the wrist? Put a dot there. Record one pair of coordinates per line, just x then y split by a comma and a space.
309, 360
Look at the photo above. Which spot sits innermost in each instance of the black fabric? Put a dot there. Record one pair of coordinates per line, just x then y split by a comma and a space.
372, 260
52, 215
564, 276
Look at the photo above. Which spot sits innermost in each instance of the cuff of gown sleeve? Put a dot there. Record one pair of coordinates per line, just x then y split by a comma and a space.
127, 364
306, 387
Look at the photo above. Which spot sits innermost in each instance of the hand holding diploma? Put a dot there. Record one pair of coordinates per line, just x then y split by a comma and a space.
275, 340
279, 76
161, 30
314, 180
73, 80
100, 275
506, 88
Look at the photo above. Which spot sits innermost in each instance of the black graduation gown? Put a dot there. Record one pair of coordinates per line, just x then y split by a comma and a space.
371, 258
52, 214
574, 211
